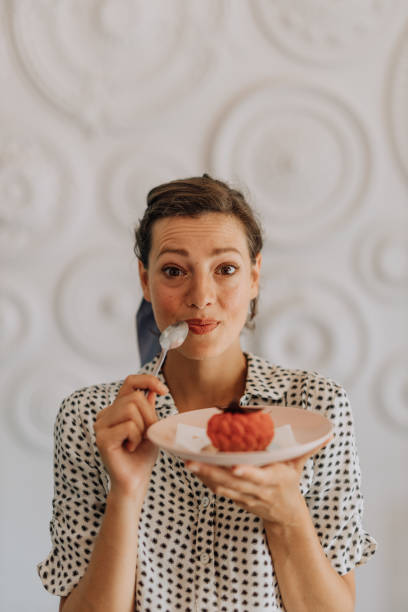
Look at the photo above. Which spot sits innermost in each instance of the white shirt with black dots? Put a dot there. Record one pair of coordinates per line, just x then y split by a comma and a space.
199, 551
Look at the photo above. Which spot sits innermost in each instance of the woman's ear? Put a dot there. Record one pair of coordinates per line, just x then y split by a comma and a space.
255, 276
144, 280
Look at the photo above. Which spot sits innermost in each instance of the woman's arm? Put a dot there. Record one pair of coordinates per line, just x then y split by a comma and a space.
109, 581
307, 580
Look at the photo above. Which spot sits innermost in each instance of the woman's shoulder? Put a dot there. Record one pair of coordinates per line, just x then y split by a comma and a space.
84, 404
90, 399
295, 385
94, 393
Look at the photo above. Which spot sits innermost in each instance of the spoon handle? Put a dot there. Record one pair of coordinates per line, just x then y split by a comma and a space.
160, 362
158, 365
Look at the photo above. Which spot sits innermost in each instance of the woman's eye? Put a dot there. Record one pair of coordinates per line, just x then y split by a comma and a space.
227, 269
172, 271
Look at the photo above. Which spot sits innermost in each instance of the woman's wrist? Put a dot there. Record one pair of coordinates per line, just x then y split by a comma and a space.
294, 522
127, 495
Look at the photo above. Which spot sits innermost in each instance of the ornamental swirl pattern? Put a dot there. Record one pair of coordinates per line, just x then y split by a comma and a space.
104, 63
303, 154
322, 31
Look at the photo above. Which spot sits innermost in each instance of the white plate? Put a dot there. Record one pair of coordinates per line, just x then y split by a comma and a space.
309, 428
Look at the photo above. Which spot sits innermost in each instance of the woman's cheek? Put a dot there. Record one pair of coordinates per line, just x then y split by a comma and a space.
236, 299
165, 306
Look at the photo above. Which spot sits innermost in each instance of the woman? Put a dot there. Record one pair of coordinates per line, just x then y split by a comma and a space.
135, 528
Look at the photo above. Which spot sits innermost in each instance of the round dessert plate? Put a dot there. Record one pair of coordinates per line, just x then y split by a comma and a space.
310, 429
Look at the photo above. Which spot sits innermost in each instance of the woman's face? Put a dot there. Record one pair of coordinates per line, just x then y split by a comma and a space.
200, 272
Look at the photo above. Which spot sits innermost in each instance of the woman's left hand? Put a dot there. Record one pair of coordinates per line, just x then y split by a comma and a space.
271, 492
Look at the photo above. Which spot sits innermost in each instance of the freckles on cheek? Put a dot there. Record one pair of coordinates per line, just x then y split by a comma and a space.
236, 299
164, 303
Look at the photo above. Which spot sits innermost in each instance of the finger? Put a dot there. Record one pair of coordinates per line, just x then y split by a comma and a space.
207, 469
114, 437
267, 475
242, 499
215, 477
151, 397
300, 461
146, 407
274, 472
142, 381
124, 409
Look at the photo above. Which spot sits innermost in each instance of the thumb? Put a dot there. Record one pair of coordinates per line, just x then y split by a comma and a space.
300, 461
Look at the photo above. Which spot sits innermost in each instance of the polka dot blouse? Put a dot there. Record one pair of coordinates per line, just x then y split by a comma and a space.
199, 551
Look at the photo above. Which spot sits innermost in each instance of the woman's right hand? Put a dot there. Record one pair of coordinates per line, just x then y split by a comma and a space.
120, 429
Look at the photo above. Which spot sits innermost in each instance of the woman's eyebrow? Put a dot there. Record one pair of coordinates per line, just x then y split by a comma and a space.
176, 251
225, 250
185, 253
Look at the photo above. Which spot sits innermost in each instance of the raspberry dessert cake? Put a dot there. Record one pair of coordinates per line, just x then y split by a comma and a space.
240, 429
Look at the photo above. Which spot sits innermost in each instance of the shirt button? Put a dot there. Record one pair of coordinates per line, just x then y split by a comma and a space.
205, 502
205, 558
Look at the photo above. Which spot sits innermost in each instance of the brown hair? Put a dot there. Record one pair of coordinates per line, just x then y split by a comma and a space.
193, 197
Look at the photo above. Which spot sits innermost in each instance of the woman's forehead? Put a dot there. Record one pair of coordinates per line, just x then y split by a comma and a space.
215, 230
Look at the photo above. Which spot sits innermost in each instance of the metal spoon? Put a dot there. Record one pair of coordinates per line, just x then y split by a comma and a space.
172, 337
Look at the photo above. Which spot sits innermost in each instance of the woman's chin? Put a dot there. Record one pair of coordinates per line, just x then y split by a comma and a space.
205, 350
200, 353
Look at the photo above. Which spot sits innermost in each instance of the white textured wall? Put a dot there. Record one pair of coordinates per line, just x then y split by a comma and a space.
304, 103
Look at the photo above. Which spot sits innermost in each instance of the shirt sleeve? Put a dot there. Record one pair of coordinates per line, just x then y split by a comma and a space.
79, 497
334, 498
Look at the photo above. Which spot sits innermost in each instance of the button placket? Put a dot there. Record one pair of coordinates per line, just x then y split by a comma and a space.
205, 556
205, 502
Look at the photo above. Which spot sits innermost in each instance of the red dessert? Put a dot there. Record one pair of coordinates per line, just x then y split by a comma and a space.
238, 429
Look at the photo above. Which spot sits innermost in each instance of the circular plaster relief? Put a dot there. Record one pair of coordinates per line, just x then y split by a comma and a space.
14, 322
34, 186
310, 324
323, 31
96, 301
397, 93
382, 258
302, 154
130, 176
105, 62
36, 398
391, 389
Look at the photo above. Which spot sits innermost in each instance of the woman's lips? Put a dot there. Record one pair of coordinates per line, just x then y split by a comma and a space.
201, 326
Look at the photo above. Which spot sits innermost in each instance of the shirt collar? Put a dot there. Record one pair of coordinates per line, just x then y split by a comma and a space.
264, 381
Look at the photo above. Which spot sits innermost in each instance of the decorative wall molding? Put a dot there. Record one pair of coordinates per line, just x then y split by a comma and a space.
306, 320
381, 258
303, 154
391, 389
35, 186
127, 178
104, 63
397, 100
322, 32
35, 398
15, 322
96, 300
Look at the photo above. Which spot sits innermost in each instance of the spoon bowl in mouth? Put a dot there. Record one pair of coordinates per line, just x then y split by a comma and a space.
171, 338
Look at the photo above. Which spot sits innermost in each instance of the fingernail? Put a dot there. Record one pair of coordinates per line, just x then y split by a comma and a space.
238, 471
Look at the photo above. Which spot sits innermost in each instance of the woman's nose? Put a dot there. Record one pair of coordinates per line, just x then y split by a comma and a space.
201, 292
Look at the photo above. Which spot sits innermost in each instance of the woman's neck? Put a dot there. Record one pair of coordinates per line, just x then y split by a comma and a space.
195, 383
